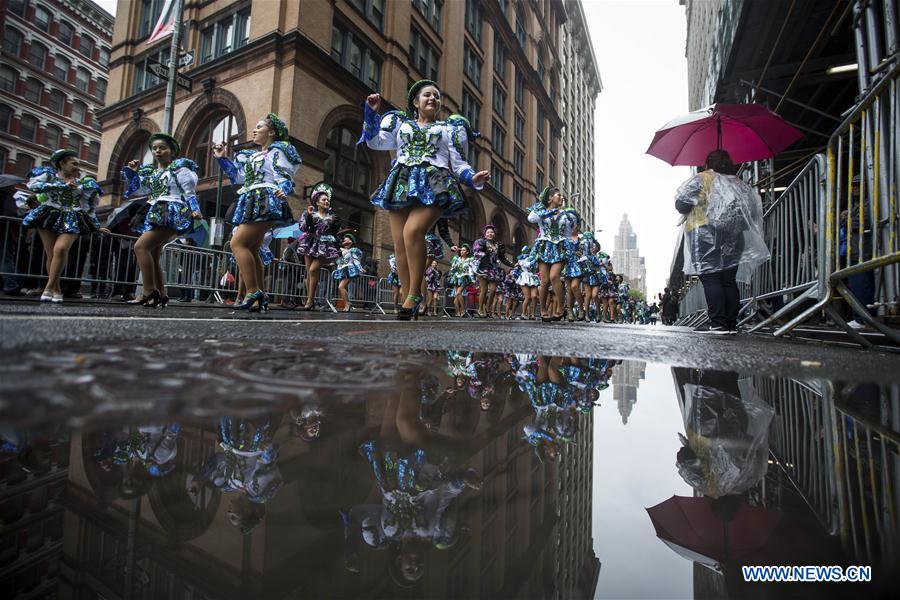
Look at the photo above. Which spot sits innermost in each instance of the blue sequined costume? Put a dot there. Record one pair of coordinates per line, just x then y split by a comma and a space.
248, 461
527, 274
555, 226
265, 253
392, 278
488, 255
430, 161
262, 173
62, 209
462, 271
172, 191
349, 264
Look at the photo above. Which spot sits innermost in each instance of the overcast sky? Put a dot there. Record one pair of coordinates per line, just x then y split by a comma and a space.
639, 45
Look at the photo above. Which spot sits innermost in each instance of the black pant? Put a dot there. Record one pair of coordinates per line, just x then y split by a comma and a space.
722, 297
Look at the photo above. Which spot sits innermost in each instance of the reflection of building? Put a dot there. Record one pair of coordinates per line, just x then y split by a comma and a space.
313, 63
580, 86
52, 81
626, 257
626, 379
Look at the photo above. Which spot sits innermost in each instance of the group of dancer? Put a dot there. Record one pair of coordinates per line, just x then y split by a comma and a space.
564, 274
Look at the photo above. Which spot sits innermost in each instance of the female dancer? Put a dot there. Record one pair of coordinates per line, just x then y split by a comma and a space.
593, 279
513, 293
348, 266
423, 184
622, 298
267, 176
609, 292
528, 281
488, 253
65, 207
573, 271
171, 184
433, 281
394, 280
554, 227
319, 244
462, 275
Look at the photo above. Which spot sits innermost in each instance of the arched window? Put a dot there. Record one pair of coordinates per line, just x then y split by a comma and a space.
66, 33
6, 114
24, 164
57, 101
93, 152
37, 55
12, 41
17, 7
52, 137
86, 46
499, 222
33, 89
76, 142
100, 89
220, 127
28, 128
467, 233
104, 56
61, 66
348, 168
79, 111
42, 18
82, 79
8, 78
520, 238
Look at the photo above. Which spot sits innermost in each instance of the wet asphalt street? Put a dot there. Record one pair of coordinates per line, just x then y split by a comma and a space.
28, 324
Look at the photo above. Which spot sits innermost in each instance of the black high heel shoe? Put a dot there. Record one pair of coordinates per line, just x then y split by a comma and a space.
152, 300
405, 314
251, 300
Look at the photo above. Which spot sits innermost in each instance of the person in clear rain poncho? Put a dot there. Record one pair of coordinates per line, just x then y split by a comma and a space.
723, 230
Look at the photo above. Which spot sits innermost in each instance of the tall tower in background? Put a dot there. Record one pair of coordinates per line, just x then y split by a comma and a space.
627, 260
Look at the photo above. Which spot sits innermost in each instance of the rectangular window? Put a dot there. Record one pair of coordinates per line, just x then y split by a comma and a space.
355, 56
472, 65
499, 100
424, 57
520, 32
372, 10
520, 127
520, 88
150, 11
472, 157
519, 161
104, 56
540, 120
499, 57
540, 152
552, 168
82, 79
143, 79
497, 177
100, 90
498, 139
471, 110
474, 19
541, 69
539, 179
518, 195
431, 10
86, 46
33, 91
224, 36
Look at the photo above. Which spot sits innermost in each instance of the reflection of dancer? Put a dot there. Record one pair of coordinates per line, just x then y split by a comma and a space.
348, 267
171, 183
415, 511
319, 245
267, 176
62, 208
247, 464
423, 184
306, 422
153, 446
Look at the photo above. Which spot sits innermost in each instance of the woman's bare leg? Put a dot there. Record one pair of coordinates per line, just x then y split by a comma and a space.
60, 254
560, 293
245, 245
48, 241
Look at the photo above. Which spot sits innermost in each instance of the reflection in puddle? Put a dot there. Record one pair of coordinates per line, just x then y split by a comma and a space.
219, 469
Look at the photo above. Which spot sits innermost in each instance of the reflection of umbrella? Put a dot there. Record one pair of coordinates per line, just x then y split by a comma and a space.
199, 233
747, 131
119, 219
9, 180
710, 531
290, 231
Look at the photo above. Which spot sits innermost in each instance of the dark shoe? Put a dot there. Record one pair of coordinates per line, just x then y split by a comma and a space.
405, 314
250, 300
152, 297
15, 292
712, 329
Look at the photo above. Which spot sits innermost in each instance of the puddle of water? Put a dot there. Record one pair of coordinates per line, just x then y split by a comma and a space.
222, 469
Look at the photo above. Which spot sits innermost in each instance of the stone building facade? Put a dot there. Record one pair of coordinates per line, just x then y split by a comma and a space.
581, 84
313, 63
53, 81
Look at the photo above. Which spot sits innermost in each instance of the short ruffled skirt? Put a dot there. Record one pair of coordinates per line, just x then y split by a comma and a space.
424, 185
60, 220
528, 279
266, 255
262, 206
433, 286
572, 269
513, 292
347, 272
163, 215
609, 291
434, 246
550, 252
591, 279
313, 247
492, 273
393, 279
462, 280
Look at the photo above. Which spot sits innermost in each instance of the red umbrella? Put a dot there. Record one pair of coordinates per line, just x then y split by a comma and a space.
692, 528
747, 131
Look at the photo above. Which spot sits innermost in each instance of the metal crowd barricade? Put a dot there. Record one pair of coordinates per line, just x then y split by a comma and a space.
692, 307
800, 443
364, 290
384, 295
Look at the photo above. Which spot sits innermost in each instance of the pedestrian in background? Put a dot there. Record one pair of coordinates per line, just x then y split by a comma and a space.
723, 229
